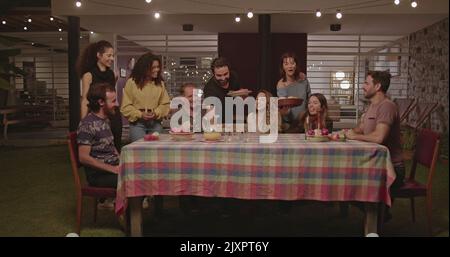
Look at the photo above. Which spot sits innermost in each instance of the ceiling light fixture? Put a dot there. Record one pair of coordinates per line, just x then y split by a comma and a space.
148, 1
3, 22
60, 29
338, 14
237, 18
78, 4
157, 15
52, 19
413, 4
92, 32
396, 2
25, 28
29, 20
318, 13
250, 14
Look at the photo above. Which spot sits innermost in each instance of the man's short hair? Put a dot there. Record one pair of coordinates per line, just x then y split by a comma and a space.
382, 77
185, 85
219, 62
98, 92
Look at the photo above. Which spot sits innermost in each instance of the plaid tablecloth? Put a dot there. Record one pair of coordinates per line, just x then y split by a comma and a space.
290, 169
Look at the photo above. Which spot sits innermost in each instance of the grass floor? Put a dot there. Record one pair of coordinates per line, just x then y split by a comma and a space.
37, 199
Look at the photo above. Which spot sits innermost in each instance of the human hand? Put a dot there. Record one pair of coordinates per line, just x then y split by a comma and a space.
148, 115
350, 134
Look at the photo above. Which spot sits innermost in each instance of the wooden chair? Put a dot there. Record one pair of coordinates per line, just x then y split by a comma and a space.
405, 107
425, 154
84, 190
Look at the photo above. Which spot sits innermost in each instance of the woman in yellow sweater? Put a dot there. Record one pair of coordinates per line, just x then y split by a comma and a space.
145, 100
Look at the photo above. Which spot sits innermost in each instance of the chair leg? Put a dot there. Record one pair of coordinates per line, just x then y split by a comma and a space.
79, 205
429, 214
95, 209
381, 214
413, 209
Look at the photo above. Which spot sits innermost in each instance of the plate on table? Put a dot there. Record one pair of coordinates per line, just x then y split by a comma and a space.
240, 92
289, 102
318, 138
182, 136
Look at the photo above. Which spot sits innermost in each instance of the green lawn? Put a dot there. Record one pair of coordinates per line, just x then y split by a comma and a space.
37, 199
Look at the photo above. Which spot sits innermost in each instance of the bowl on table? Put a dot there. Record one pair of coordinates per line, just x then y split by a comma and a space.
181, 136
212, 136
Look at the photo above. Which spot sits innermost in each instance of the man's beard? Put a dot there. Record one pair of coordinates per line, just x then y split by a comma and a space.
110, 112
223, 82
368, 96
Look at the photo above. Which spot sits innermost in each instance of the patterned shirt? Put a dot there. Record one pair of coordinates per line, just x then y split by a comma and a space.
96, 132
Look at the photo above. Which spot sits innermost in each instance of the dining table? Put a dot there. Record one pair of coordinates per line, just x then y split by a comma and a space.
242, 166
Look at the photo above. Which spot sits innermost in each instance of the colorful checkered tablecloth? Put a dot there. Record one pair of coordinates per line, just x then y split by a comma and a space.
289, 169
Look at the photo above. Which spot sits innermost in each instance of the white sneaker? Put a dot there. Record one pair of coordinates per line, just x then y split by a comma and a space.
146, 203
108, 204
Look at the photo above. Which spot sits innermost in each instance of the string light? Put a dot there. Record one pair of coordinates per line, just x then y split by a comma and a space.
397, 2
157, 15
29, 20
92, 32
338, 14
78, 4
318, 13
148, 1
413, 4
60, 29
25, 28
237, 18
250, 14
52, 19
3, 22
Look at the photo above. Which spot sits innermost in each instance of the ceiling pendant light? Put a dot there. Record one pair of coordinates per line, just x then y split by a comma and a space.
157, 15
250, 14
25, 28
3, 22
29, 20
78, 4
413, 4
237, 18
396, 2
148, 1
52, 19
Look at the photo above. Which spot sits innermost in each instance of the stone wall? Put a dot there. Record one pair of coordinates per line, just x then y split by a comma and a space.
428, 71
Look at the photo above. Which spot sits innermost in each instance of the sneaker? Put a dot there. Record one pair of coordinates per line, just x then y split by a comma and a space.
107, 204
146, 203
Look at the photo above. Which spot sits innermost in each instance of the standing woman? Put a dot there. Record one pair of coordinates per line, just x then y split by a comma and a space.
145, 99
94, 66
292, 83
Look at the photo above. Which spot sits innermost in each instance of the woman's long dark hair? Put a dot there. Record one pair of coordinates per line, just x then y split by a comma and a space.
268, 95
323, 114
142, 67
297, 69
88, 58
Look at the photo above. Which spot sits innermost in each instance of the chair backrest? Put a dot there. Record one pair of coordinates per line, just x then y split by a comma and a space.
405, 106
74, 159
425, 110
426, 153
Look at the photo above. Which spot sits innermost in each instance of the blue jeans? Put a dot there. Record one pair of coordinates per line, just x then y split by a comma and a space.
140, 128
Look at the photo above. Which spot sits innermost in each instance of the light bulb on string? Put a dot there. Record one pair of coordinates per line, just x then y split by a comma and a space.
237, 18
338, 14
250, 14
396, 2
318, 13
148, 1
157, 15
413, 4
78, 4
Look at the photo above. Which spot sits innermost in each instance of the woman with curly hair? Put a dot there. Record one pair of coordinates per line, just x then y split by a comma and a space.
94, 67
145, 99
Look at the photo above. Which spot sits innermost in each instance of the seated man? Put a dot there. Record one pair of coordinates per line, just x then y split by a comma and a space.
381, 122
95, 140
